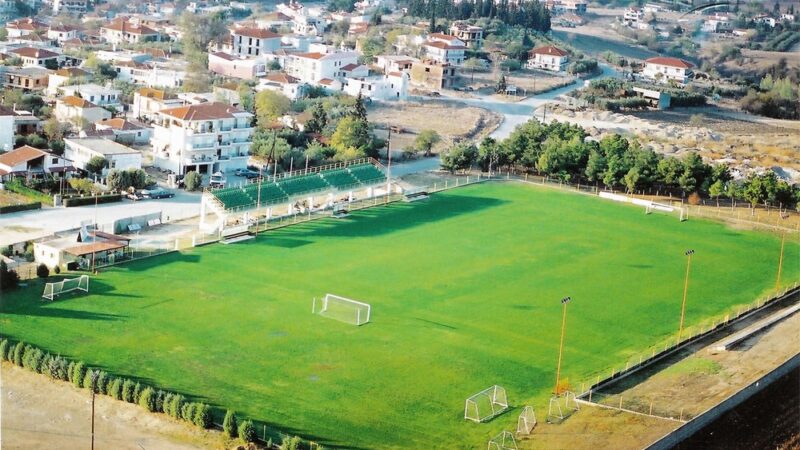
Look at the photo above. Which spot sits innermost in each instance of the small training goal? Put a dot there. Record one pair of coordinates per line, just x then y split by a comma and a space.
486, 404
503, 441
342, 309
526, 421
51, 290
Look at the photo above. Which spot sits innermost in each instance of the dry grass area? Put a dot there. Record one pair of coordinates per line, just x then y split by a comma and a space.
533, 82
8, 198
41, 413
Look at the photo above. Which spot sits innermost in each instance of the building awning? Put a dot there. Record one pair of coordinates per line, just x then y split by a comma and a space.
95, 247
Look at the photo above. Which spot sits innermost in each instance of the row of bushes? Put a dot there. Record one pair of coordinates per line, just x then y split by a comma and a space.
623, 103
76, 372
684, 98
16, 208
83, 201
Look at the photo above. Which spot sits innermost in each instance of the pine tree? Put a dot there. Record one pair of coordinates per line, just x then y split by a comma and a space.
359, 110
501, 84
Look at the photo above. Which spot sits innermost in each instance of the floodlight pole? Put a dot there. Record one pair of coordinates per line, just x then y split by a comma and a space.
258, 201
564, 302
94, 380
780, 262
389, 165
689, 254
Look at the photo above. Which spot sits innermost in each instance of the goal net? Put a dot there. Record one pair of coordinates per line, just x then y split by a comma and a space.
51, 290
503, 441
342, 309
526, 421
486, 404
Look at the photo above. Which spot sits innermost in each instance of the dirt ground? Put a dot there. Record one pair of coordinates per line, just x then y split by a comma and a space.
529, 82
8, 198
37, 412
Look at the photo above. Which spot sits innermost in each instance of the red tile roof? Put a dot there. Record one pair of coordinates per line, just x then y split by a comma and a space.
259, 33
314, 55
78, 102
548, 50
282, 78
30, 52
669, 61
445, 45
118, 123
125, 26
20, 155
202, 111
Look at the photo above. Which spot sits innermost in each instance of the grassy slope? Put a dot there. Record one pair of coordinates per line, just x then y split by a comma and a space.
465, 291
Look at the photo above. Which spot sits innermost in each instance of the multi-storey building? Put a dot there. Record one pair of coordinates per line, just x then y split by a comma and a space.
312, 67
206, 137
250, 41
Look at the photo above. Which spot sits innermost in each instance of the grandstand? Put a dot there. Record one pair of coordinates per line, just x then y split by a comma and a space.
347, 176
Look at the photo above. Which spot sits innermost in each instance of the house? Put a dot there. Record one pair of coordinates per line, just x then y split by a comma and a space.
28, 161
765, 19
471, 35
445, 49
717, 23
126, 131
391, 86
80, 112
62, 33
82, 43
94, 93
632, 16
40, 57
33, 40
86, 249
66, 75
433, 75
7, 128
548, 58
283, 83
152, 73
394, 63
26, 123
120, 157
569, 20
307, 26
355, 71
123, 31
245, 68
73, 7
312, 67
21, 27
578, 7
28, 78
206, 137
665, 69
249, 41
147, 102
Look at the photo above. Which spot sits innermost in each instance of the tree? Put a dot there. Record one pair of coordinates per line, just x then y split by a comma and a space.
318, 120
9, 279
54, 130
359, 109
246, 97
268, 146
192, 181
96, 165
82, 185
147, 399
202, 416
631, 179
351, 133
716, 189
42, 271
501, 84
78, 374
247, 432
270, 106
459, 157
425, 141
229, 424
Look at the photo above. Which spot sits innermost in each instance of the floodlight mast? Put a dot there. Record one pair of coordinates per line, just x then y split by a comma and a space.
780, 260
564, 302
688, 254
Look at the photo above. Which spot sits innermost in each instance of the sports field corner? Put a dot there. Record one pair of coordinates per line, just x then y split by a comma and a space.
464, 290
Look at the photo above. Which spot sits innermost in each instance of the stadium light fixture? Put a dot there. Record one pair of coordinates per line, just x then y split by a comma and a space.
564, 302
688, 254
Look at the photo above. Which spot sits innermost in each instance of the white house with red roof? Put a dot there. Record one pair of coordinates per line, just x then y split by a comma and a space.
62, 33
287, 85
29, 161
314, 66
548, 58
126, 31
242, 67
664, 69
251, 41
206, 137
21, 27
445, 49
391, 86
32, 56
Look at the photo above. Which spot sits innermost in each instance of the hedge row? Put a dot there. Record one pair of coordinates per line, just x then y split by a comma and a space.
76, 372
15, 208
83, 201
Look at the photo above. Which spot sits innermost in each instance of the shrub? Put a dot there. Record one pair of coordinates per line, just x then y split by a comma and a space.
9, 278
57, 368
147, 399
46, 364
187, 411
4, 345
247, 432
229, 424
290, 443
42, 271
19, 353
176, 404
127, 390
102, 382
193, 180
57, 270
78, 374
90, 380
202, 415
160, 397
33, 359
70, 370
137, 392
115, 389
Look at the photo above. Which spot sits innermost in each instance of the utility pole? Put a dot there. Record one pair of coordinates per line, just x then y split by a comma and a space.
258, 201
94, 382
780, 262
564, 302
689, 254
389, 165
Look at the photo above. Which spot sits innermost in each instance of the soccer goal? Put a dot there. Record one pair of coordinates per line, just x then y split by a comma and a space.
342, 309
486, 404
503, 441
51, 290
526, 421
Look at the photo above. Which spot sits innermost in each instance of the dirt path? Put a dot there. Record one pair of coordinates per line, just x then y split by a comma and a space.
36, 412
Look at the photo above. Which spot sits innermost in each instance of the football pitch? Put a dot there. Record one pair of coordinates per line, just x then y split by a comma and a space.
465, 291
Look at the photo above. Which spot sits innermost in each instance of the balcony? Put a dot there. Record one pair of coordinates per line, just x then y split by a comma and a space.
201, 146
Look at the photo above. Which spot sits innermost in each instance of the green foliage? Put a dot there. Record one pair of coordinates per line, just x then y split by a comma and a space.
582, 66
42, 271
193, 180
318, 120
78, 374
90, 380
82, 185
147, 399
202, 416
115, 389
425, 141
229, 424
247, 432
270, 106
352, 138
96, 165
459, 157
121, 180
9, 279
4, 346
290, 443
128, 387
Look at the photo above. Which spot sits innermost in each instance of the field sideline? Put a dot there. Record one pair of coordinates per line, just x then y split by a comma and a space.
464, 289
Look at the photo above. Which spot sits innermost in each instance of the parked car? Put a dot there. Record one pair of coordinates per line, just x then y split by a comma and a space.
247, 173
435, 94
217, 180
135, 195
157, 193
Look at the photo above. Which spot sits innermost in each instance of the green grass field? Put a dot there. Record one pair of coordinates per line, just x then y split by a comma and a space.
465, 292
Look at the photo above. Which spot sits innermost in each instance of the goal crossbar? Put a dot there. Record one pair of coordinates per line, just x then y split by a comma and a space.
51, 290
486, 404
343, 309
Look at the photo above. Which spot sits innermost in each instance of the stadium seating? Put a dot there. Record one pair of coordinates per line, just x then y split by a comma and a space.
367, 173
303, 184
233, 197
340, 178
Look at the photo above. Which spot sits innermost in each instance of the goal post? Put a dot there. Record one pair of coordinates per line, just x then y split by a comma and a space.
486, 404
526, 421
342, 309
51, 290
